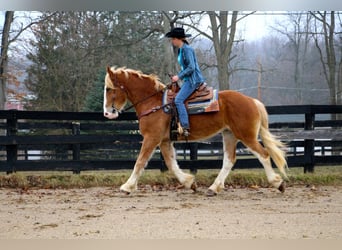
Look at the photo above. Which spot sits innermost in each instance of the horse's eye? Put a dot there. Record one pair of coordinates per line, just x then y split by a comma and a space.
107, 89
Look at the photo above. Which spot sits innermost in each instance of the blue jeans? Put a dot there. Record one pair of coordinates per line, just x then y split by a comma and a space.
186, 90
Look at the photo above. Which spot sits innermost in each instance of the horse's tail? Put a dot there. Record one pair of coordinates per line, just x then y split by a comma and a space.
274, 146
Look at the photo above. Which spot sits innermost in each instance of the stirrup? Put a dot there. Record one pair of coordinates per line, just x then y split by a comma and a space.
183, 131
186, 132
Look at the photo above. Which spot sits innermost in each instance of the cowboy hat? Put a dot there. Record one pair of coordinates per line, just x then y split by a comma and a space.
177, 33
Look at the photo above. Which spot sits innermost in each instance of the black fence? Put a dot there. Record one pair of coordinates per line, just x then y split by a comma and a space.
70, 141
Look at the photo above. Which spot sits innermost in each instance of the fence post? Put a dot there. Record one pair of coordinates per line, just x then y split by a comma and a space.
193, 156
309, 144
163, 167
12, 150
76, 148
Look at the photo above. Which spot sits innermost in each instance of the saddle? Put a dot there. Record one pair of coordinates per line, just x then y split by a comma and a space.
204, 99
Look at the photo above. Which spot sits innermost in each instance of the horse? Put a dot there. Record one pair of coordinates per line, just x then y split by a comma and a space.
240, 118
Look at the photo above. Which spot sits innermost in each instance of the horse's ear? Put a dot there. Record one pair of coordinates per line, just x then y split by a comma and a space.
110, 72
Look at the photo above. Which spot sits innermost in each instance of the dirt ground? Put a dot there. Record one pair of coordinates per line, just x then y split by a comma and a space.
104, 213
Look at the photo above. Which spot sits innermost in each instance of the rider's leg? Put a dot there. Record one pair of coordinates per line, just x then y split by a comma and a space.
186, 90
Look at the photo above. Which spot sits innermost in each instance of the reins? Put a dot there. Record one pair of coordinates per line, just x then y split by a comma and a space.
142, 100
152, 110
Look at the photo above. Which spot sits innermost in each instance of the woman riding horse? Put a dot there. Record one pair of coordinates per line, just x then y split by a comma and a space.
190, 74
240, 118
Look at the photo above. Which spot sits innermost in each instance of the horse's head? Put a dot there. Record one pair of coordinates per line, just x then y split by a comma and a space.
114, 95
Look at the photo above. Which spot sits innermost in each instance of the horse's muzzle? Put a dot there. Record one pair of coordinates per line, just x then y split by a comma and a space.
110, 115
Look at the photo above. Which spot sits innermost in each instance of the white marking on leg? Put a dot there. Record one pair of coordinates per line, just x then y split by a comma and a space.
272, 177
145, 154
186, 179
131, 184
227, 165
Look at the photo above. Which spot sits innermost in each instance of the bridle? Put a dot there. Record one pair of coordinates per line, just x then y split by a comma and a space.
152, 110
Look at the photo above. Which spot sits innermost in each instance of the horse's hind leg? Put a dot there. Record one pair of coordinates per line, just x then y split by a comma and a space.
265, 159
229, 159
169, 155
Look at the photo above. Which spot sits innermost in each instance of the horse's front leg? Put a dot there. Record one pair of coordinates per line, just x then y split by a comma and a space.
146, 151
169, 155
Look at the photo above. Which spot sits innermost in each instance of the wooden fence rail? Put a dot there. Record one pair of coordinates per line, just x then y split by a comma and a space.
80, 141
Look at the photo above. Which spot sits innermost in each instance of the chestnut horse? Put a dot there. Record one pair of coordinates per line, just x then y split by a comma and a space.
240, 118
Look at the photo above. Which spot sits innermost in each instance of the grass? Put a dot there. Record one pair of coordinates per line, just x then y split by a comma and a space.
331, 176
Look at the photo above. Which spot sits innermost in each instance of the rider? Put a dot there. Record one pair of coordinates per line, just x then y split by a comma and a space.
190, 74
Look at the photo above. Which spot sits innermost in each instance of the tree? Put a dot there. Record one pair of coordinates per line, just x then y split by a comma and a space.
223, 31
15, 24
297, 30
94, 98
5, 42
61, 67
325, 39
73, 47
223, 42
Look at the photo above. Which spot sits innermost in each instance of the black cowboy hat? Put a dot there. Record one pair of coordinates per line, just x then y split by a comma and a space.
177, 33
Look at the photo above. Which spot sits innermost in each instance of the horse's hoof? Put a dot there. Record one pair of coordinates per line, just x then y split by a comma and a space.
125, 192
281, 188
194, 186
211, 193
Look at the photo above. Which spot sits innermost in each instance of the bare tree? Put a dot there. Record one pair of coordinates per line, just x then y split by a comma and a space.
325, 31
339, 78
223, 42
297, 31
5, 42
223, 30
11, 33
339, 74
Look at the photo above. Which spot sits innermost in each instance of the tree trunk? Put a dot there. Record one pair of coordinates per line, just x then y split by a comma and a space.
339, 83
339, 87
328, 64
330, 47
223, 43
4, 56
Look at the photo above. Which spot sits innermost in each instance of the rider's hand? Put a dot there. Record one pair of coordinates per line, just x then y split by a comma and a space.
174, 78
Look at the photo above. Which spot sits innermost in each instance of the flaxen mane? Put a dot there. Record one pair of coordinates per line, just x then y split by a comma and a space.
127, 72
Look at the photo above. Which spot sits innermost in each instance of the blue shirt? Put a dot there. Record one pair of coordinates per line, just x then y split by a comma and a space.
190, 70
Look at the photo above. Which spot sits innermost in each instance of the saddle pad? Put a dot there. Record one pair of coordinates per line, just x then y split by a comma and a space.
195, 107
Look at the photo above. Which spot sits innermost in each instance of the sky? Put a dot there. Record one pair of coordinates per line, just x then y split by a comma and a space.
256, 26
